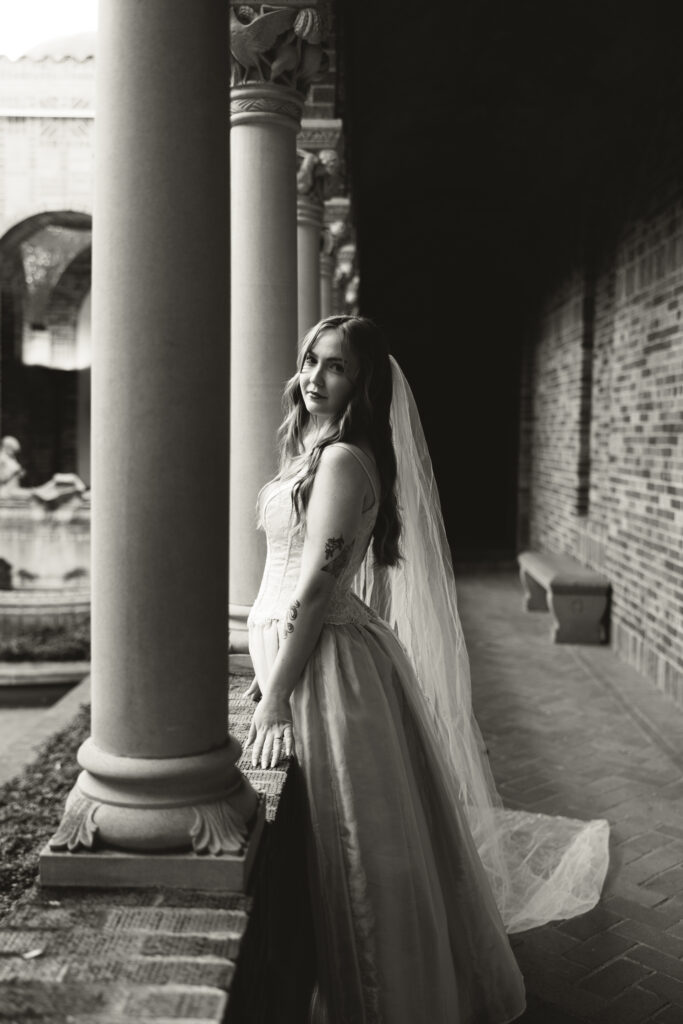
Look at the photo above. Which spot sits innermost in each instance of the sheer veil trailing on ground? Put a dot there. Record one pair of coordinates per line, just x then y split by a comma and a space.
540, 867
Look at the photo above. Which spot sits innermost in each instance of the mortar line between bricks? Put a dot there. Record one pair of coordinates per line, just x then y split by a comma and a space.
619, 958
649, 728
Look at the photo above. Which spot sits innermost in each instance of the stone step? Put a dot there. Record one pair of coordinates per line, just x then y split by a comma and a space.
22, 1000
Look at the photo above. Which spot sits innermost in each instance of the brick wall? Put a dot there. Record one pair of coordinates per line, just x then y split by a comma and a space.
322, 95
602, 458
552, 420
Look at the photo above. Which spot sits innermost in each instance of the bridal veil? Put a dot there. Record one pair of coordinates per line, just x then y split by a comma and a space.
540, 867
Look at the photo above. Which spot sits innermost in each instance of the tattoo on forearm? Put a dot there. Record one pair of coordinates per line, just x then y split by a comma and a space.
332, 545
292, 613
338, 563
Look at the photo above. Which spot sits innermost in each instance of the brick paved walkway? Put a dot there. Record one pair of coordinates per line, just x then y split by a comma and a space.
571, 730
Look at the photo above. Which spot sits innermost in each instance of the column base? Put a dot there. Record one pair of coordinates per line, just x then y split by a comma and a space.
195, 817
109, 868
239, 634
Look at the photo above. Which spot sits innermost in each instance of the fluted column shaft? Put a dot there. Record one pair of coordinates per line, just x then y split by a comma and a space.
159, 767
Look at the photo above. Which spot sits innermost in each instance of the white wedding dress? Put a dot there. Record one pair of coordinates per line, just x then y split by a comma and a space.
407, 928
417, 870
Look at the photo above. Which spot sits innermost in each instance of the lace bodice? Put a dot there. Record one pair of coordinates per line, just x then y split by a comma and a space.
285, 546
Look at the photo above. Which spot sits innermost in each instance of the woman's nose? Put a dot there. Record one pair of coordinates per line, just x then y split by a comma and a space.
317, 373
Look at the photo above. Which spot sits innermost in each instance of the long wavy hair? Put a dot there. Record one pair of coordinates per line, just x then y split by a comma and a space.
365, 419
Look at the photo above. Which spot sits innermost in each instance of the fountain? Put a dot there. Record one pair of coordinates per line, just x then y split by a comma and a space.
44, 550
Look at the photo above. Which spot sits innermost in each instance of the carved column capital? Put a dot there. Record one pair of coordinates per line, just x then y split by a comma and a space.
281, 45
318, 174
266, 103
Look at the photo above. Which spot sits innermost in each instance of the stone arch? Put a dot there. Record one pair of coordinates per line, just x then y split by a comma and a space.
20, 225
39, 403
64, 309
19, 298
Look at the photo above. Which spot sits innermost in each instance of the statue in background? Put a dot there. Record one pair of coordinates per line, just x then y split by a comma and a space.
11, 470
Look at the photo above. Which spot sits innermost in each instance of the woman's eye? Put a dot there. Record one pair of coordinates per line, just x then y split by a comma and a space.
308, 359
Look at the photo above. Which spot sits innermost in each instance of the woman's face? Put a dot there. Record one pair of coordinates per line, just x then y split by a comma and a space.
327, 377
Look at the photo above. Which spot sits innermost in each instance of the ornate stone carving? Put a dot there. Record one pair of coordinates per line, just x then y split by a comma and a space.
346, 261
337, 230
77, 829
307, 175
318, 174
11, 470
346, 280
351, 296
218, 829
248, 103
332, 171
282, 45
214, 828
334, 235
61, 490
320, 133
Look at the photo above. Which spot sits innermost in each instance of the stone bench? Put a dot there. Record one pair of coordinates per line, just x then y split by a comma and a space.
576, 596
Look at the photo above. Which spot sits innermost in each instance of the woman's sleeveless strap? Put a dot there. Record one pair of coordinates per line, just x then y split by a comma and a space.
363, 459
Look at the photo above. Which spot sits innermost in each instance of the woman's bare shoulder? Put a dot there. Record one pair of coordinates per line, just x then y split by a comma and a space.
337, 456
359, 446
350, 471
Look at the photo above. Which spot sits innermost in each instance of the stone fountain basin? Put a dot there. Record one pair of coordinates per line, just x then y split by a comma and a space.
23, 611
38, 683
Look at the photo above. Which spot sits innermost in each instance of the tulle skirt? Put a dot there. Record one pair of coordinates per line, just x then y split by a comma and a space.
407, 928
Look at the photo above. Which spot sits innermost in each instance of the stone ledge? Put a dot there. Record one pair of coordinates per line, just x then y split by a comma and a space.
128, 956
23, 1000
27, 673
19, 754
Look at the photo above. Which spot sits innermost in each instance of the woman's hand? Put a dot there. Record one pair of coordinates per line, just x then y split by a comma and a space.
271, 733
254, 691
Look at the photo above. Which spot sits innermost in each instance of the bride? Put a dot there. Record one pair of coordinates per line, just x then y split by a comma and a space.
416, 869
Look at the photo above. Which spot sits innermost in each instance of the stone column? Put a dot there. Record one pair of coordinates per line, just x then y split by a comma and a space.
159, 779
275, 55
309, 221
335, 232
318, 177
326, 272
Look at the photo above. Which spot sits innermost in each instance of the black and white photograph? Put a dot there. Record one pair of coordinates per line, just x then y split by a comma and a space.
341, 512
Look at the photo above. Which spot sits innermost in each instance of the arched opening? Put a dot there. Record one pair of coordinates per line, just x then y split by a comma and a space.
45, 342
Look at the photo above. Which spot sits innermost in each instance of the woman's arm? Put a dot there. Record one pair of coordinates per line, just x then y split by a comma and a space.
332, 522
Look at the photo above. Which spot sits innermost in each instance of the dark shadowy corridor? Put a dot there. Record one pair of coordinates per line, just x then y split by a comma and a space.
492, 147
